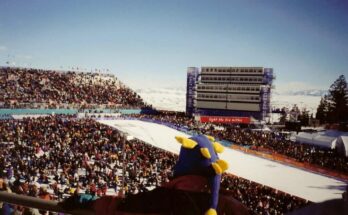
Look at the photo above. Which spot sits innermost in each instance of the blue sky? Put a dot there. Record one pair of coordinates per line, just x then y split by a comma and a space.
151, 43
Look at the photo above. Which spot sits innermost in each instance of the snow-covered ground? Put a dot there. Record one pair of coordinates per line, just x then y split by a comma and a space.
310, 186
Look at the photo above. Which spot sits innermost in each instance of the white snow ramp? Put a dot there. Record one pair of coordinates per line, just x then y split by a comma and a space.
307, 185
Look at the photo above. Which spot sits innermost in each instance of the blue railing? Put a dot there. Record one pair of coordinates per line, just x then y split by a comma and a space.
37, 111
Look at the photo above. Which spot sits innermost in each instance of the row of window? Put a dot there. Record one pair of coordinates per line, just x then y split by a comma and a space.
231, 79
229, 88
232, 70
229, 97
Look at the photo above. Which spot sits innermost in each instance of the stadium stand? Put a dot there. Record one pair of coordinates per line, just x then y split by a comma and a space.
53, 157
35, 88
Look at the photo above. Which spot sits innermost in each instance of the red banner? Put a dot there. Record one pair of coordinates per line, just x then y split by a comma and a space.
224, 119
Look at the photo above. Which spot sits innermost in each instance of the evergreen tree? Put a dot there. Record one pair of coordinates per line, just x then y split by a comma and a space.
304, 117
283, 116
322, 110
338, 100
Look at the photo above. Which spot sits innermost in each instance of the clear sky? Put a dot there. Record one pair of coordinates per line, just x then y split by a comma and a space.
151, 43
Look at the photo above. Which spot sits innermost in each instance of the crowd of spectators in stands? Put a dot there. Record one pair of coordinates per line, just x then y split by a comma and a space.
76, 153
33, 88
261, 199
268, 142
53, 157
176, 118
277, 143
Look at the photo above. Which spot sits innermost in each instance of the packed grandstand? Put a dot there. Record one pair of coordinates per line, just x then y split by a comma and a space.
54, 156
35, 88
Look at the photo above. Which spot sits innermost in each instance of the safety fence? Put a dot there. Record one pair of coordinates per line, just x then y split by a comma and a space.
8, 113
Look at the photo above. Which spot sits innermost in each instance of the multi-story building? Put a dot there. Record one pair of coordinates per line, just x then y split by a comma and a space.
239, 92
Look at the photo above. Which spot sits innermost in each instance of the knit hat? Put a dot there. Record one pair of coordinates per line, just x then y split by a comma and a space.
198, 156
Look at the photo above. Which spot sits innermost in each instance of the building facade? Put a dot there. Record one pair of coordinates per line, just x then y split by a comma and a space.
229, 91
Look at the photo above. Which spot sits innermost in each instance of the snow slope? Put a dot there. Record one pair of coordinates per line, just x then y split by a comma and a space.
310, 186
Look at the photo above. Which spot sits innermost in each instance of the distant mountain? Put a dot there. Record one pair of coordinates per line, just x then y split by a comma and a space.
313, 92
305, 98
164, 98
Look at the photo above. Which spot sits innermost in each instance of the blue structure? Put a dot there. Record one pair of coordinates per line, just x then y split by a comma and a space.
192, 78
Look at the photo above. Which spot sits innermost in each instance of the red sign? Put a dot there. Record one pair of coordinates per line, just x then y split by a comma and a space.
224, 119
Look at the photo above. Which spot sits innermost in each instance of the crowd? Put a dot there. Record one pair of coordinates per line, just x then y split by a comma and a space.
261, 199
274, 142
178, 119
65, 153
34, 88
53, 157
270, 142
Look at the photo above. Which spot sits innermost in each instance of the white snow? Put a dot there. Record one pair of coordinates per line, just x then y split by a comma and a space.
307, 185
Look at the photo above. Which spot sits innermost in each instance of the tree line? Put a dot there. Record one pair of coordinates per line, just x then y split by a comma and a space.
333, 106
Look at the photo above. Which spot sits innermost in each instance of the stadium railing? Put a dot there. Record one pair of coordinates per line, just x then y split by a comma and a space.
32, 202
